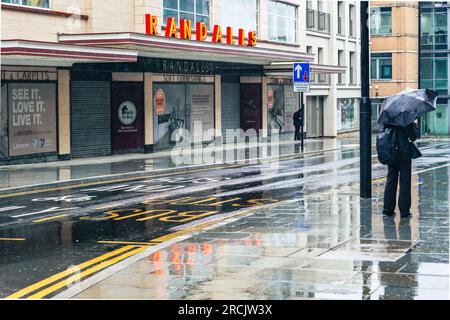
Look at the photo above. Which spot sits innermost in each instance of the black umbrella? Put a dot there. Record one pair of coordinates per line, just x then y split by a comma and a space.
403, 108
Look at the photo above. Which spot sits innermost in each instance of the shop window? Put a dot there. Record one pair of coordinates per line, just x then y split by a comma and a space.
347, 114
182, 106
28, 119
282, 102
30, 3
194, 10
381, 66
238, 14
282, 22
381, 21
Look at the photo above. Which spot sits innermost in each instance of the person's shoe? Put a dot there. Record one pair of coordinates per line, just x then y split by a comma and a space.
406, 215
388, 214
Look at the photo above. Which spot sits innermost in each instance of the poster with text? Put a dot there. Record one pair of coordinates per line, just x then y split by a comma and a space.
32, 118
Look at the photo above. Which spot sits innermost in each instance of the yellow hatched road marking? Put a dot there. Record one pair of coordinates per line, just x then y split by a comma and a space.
49, 218
12, 239
38, 285
68, 281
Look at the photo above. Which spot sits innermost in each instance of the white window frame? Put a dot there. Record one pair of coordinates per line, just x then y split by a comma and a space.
193, 13
296, 36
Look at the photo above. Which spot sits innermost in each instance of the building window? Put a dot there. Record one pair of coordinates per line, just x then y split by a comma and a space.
194, 10
434, 30
351, 21
340, 22
238, 14
351, 68
282, 22
340, 63
30, 3
381, 21
381, 66
434, 71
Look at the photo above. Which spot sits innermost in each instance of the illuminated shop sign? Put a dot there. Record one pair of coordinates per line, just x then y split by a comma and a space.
185, 32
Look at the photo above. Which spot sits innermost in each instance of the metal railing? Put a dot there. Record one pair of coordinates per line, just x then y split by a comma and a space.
317, 21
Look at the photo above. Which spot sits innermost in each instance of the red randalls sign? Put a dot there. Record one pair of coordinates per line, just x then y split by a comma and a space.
151, 25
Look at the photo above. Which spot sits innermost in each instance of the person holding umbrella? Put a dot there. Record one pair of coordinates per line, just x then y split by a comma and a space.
398, 117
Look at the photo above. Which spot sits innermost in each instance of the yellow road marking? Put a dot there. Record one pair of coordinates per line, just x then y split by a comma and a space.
126, 242
38, 285
49, 218
12, 239
68, 281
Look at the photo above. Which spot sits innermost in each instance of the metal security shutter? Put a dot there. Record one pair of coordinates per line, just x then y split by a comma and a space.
91, 118
230, 108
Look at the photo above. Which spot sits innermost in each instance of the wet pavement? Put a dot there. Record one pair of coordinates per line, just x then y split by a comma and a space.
13, 176
293, 229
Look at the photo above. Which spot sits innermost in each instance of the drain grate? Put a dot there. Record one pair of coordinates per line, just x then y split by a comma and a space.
369, 250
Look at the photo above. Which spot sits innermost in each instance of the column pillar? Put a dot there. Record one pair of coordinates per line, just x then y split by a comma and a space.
218, 105
148, 112
64, 149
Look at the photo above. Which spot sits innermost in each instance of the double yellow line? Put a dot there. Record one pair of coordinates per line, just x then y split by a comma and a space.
73, 274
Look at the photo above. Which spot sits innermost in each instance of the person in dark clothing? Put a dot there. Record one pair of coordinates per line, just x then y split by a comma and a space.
406, 136
297, 124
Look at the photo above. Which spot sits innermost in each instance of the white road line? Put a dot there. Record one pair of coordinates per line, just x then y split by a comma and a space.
11, 208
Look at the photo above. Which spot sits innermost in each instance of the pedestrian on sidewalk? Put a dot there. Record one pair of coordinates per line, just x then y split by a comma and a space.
297, 123
395, 143
406, 136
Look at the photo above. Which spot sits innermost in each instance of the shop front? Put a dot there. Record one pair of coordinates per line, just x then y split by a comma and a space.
28, 113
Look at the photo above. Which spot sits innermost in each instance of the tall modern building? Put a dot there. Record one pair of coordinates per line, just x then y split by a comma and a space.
394, 50
87, 78
434, 55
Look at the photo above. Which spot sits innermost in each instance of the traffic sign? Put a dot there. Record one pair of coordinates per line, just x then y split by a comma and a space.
301, 74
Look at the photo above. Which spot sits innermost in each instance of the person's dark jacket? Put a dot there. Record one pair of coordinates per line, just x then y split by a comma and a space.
296, 117
406, 135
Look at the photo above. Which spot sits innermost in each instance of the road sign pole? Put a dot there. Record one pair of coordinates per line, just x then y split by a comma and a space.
302, 123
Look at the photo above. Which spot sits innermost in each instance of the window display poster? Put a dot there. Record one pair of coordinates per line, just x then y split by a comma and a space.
4, 122
276, 111
201, 101
291, 105
346, 114
172, 116
32, 118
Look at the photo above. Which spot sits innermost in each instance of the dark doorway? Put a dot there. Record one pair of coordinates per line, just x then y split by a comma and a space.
251, 107
127, 102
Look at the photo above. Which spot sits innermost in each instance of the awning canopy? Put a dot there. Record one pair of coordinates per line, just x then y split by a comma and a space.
162, 47
26, 53
286, 69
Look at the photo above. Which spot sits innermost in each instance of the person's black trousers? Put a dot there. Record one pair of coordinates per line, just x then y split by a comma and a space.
297, 133
390, 192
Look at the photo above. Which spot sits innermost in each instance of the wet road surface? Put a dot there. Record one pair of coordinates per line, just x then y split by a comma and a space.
51, 239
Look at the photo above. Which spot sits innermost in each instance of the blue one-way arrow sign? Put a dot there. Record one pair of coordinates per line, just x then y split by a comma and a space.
301, 76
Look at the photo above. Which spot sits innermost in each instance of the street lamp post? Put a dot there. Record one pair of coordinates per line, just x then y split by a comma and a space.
365, 136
